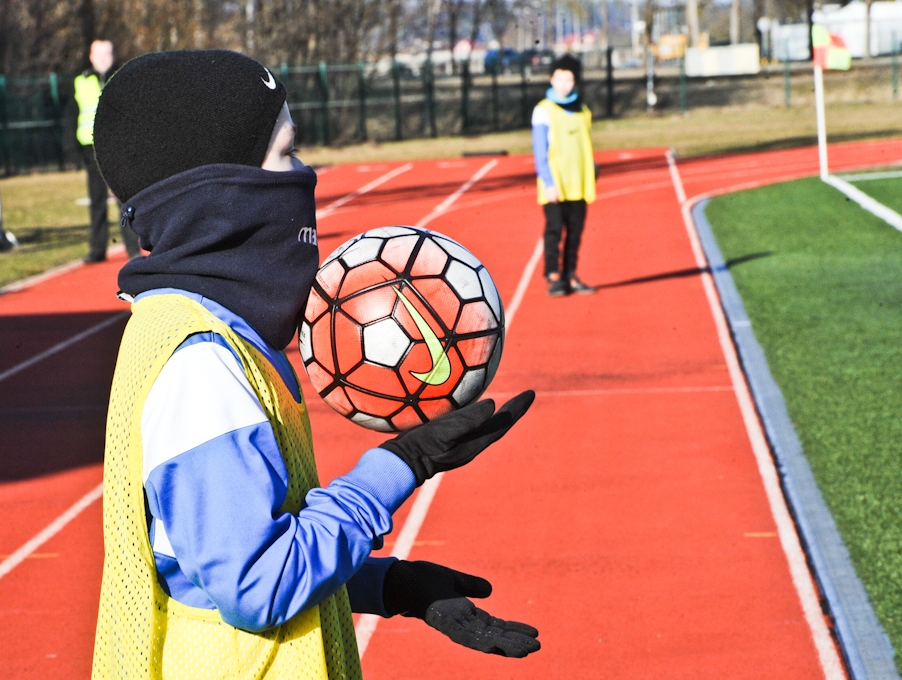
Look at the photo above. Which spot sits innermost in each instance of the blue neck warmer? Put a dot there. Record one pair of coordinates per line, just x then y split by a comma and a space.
239, 235
553, 96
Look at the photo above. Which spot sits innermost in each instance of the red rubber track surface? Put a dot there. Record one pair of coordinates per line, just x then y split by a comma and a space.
615, 517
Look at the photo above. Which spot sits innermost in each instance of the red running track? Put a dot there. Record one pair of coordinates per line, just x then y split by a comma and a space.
625, 516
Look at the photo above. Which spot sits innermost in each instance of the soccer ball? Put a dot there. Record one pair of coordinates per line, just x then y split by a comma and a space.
402, 325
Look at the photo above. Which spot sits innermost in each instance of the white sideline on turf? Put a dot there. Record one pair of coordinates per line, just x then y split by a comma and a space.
789, 539
335, 205
865, 176
366, 624
61, 346
50, 530
888, 215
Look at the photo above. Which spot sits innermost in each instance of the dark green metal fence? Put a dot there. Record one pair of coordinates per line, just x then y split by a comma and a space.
331, 104
345, 104
31, 122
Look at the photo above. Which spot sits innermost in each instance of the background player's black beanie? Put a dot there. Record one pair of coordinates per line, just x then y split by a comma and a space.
567, 62
167, 112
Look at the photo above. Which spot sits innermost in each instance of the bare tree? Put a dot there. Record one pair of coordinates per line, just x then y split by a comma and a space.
692, 21
499, 16
735, 8
867, 28
476, 17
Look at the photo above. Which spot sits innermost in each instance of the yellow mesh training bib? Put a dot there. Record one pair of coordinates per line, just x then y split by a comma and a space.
142, 633
569, 154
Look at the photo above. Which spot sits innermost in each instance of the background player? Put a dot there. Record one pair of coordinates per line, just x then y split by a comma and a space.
566, 173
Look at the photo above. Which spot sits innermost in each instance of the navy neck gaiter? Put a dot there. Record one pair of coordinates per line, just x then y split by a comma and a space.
242, 236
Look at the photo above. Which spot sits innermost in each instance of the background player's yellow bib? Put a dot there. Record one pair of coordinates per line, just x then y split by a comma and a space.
141, 632
569, 154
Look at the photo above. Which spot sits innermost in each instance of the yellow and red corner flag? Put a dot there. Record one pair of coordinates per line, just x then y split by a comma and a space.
830, 52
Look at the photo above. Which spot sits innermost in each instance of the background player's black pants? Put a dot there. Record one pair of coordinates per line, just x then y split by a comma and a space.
569, 216
99, 235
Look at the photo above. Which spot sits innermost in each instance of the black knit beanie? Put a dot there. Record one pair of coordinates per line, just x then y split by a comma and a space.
167, 112
567, 62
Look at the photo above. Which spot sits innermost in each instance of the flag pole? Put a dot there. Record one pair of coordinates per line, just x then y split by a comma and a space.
821, 124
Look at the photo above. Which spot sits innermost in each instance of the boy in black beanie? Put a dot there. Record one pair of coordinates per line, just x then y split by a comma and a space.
223, 557
566, 173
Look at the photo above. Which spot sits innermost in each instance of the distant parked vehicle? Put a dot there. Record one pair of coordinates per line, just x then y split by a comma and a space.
506, 60
537, 61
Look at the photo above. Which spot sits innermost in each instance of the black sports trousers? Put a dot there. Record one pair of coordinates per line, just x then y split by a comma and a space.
99, 235
561, 216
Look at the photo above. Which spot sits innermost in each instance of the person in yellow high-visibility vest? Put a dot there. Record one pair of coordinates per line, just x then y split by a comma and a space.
566, 173
88, 86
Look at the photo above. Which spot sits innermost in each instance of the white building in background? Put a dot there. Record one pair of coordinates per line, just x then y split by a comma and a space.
849, 23
789, 41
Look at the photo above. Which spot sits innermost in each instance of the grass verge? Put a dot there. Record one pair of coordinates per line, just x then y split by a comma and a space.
700, 131
52, 229
826, 306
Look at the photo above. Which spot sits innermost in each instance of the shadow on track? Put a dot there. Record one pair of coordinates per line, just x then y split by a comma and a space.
682, 273
53, 413
788, 143
439, 190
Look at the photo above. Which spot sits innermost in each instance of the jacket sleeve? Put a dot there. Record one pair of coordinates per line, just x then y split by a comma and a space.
541, 124
215, 483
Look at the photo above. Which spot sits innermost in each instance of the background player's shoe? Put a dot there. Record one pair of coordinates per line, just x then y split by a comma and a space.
577, 286
7, 241
557, 287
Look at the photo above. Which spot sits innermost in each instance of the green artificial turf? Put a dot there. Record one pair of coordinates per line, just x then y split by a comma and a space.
826, 305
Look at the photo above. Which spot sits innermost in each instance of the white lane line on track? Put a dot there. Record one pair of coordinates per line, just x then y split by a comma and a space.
22, 553
50, 531
506, 195
678, 187
789, 539
367, 623
523, 284
325, 212
366, 188
444, 205
63, 345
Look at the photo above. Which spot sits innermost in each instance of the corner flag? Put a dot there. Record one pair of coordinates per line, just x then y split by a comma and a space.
830, 51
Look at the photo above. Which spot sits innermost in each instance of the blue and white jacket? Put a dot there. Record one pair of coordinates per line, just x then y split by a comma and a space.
206, 442
541, 125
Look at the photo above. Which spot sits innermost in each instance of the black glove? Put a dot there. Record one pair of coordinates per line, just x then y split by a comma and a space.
438, 595
457, 437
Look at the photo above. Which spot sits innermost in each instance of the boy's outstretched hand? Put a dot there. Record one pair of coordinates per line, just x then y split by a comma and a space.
438, 595
457, 437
